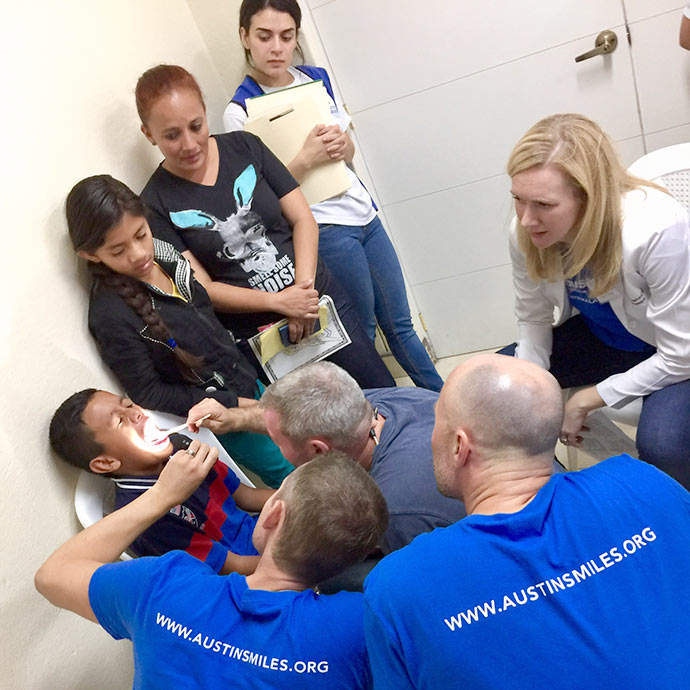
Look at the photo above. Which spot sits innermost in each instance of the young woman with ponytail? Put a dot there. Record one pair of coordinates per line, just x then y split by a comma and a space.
154, 323
352, 240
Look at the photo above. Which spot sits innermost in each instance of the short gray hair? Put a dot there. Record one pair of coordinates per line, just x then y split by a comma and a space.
319, 399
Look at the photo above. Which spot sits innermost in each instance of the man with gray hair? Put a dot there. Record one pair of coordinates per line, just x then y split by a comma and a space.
569, 580
320, 407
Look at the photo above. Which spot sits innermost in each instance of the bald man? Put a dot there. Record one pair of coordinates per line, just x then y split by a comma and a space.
575, 580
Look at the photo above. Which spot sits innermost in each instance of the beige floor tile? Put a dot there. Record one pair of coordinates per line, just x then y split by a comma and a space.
444, 366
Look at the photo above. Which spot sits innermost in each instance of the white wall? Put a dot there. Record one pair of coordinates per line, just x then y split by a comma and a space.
217, 21
69, 70
440, 91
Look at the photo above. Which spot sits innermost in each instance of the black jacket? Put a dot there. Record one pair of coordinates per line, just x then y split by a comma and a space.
145, 365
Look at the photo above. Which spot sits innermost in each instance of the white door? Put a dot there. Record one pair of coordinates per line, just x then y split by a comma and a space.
440, 90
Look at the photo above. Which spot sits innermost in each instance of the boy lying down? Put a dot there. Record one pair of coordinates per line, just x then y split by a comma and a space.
105, 434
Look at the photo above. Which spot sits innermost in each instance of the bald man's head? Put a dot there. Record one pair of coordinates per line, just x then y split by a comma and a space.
505, 404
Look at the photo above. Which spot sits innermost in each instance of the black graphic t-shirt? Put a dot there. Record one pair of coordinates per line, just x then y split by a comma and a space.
234, 228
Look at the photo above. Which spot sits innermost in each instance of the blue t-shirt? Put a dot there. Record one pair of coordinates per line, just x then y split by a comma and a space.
600, 317
191, 628
403, 467
586, 587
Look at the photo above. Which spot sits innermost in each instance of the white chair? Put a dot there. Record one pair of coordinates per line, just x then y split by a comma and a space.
669, 167
94, 495
93, 498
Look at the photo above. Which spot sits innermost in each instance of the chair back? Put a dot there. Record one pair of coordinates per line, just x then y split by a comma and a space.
669, 167
94, 498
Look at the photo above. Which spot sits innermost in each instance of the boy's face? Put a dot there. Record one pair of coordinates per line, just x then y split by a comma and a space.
127, 434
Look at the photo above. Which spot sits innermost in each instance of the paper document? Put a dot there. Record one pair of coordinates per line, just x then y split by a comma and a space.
278, 359
604, 438
314, 90
283, 119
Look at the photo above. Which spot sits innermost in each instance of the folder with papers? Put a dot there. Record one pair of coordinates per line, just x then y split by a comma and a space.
278, 359
283, 119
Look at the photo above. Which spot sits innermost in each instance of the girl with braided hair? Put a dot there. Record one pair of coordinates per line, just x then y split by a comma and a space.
153, 322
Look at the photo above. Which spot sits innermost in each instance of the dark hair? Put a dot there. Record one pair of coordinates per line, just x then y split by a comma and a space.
161, 81
335, 516
249, 8
93, 207
69, 436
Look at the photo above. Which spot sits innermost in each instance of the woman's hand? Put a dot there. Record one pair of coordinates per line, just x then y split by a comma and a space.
335, 142
300, 329
323, 144
314, 150
576, 410
299, 301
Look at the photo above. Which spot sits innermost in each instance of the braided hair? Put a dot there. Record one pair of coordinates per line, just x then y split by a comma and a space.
93, 207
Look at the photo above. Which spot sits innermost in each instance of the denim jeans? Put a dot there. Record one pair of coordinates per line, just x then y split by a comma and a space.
364, 262
579, 358
359, 358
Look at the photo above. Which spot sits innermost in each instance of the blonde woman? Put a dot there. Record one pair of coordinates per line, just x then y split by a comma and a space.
612, 253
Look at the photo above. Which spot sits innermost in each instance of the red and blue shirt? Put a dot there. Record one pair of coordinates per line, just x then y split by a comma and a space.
207, 525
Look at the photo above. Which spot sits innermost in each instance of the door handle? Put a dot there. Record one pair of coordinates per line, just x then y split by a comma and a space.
604, 44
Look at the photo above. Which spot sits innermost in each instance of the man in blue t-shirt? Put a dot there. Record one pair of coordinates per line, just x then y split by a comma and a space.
320, 407
194, 629
109, 435
569, 580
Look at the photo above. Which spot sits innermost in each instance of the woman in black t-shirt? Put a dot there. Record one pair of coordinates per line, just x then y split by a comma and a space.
237, 214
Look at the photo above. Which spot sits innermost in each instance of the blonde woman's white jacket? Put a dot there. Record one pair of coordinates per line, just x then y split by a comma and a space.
651, 297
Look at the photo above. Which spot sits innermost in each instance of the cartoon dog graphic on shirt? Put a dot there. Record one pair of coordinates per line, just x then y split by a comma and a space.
243, 233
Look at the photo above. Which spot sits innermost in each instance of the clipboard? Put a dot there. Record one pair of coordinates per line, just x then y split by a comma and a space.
283, 119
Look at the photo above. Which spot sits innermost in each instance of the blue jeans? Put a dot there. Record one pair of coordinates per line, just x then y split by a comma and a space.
663, 432
579, 358
364, 262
